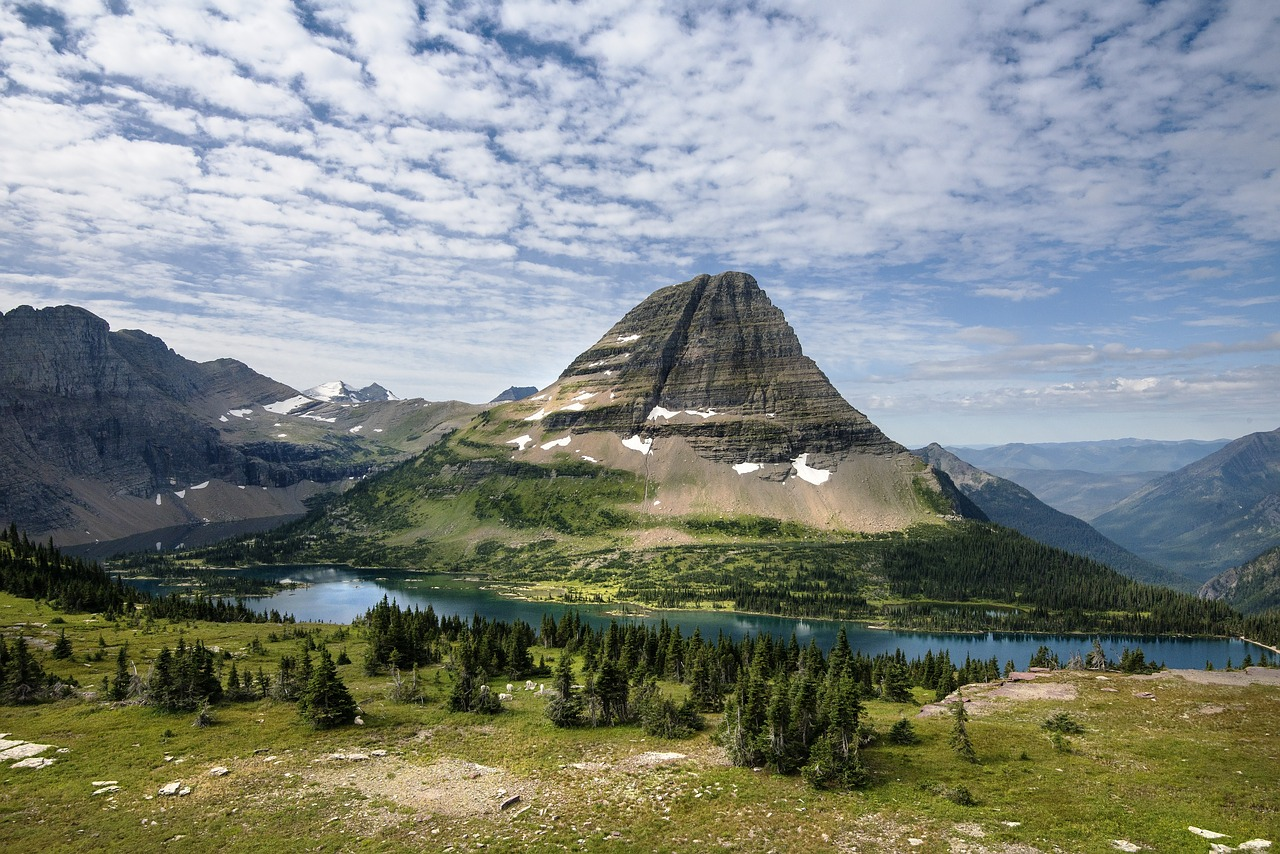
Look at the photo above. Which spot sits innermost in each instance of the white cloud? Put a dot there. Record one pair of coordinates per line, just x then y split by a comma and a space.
461, 167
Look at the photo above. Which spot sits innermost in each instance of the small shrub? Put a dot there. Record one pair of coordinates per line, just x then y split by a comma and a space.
902, 732
1063, 723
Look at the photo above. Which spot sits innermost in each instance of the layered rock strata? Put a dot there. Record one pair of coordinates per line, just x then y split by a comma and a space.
713, 361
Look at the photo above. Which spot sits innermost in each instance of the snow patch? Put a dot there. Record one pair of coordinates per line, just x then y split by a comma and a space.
284, 407
541, 397
282, 435
589, 459
377, 429
746, 468
239, 413
635, 443
319, 418
556, 443
356, 429
201, 485
573, 407
808, 474
181, 493
701, 414
659, 412
158, 501
537, 416
586, 395
521, 441
223, 418
239, 487
627, 339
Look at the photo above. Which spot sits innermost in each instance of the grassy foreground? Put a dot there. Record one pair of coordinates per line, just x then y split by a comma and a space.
1203, 755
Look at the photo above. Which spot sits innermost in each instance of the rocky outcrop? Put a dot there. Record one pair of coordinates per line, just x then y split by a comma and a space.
712, 360
1250, 588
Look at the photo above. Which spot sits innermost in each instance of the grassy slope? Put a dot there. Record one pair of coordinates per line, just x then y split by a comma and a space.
1144, 771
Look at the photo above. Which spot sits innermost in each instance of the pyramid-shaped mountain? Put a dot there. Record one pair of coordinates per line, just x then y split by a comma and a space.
704, 390
714, 362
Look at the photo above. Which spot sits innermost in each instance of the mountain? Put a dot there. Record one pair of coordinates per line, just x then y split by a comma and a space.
1108, 456
1008, 504
1211, 515
1250, 588
516, 392
1084, 479
704, 390
696, 412
338, 391
109, 434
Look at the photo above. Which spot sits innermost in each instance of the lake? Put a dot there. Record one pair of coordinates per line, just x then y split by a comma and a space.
342, 594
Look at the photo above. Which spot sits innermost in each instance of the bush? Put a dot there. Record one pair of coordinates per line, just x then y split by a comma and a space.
902, 732
1063, 723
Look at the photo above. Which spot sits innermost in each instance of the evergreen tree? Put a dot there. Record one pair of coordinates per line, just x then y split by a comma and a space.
834, 761
959, 740
62, 647
121, 685
902, 732
565, 709
325, 701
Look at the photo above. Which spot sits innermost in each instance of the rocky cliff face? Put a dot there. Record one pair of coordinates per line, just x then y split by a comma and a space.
703, 390
714, 361
102, 432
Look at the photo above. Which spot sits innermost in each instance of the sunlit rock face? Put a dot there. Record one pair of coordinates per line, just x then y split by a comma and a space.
714, 361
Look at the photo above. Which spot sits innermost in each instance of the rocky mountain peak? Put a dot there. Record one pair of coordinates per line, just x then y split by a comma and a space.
338, 391
711, 360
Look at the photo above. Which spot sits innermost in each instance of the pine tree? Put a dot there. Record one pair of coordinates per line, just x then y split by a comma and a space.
959, 740
565, 710
325, 701
62, 647
834, 761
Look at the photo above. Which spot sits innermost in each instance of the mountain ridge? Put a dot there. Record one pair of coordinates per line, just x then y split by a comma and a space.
106, 434
1007, 503
1209, 516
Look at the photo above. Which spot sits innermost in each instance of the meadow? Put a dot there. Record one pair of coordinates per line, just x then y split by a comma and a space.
1157, 755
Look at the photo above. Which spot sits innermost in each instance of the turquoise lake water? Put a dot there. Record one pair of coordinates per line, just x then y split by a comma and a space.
342, 594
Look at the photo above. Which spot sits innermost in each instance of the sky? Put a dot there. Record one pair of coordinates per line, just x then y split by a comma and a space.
987, 221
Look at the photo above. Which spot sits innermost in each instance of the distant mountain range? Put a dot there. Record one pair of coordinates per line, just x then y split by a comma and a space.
1212, 515
108, 434
515, 393
1008, 504
338, 391
1085, 479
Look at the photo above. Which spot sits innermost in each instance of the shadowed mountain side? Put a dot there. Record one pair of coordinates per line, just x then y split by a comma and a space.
1209, 516
108, 434
1009, 504
1082, 494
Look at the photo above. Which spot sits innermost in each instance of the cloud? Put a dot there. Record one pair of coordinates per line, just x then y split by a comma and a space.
1017, 293
920, 186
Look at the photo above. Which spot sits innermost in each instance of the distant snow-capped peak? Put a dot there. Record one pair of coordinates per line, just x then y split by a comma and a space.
337, 391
